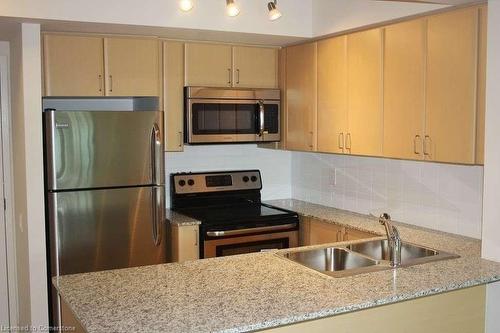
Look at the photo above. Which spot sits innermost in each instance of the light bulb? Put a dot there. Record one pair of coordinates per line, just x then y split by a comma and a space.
186, 5
232, 8
274, 13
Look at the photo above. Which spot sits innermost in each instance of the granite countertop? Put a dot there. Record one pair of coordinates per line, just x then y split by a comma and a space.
263, 290
179, 219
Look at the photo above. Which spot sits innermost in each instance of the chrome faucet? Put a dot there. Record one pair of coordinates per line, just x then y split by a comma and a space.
393, 240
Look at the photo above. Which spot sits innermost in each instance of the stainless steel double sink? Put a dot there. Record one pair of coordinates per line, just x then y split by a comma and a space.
363, 257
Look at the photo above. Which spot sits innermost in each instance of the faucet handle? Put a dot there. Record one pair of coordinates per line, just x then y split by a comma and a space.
384, 217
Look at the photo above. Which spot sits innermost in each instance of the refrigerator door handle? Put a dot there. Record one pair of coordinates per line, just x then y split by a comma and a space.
156, 155
50, 136
157, 215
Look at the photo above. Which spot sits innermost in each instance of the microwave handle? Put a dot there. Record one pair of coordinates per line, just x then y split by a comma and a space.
261, 117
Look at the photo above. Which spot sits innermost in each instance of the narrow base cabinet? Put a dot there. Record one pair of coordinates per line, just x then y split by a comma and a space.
456, 311
185, 242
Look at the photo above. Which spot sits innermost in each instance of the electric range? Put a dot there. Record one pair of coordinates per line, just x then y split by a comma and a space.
233, 218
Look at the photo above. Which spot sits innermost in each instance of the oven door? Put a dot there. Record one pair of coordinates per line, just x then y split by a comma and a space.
227, 120
219, 244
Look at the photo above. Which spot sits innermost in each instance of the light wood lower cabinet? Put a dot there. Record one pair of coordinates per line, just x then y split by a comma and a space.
185, 242
452, 57
315, 232
456, 311
301, 97
173, 95
404, 89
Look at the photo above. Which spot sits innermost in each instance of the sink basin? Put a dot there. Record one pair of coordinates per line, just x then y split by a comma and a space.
363, 257
335, 261
411, 254
379, 250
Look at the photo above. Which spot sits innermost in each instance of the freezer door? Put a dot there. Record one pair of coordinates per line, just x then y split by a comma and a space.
107, 229
100, 149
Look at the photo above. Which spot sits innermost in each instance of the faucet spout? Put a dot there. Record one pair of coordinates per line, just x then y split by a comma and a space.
393, 239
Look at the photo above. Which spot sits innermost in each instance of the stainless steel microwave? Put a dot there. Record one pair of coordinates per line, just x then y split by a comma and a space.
218, 115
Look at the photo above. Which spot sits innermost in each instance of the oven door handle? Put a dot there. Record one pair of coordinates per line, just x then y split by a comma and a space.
250, 230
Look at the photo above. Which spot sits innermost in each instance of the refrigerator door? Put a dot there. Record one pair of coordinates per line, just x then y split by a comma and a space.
100, 149
107, 229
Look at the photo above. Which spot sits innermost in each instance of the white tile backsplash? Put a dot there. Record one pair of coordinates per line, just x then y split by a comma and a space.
439, 196
275, 165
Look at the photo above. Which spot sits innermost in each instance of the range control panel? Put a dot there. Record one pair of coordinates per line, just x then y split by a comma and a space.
185, 183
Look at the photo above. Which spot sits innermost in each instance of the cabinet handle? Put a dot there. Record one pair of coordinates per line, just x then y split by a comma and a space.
415, 144
339, 236
427, 138
99, 77
196, 237
181, 139
311, 145
111, 83
346, 235
348, 142
341, 141
237, 76
229, 76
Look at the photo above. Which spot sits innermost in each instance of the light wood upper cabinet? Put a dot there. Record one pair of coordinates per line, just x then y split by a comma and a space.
451, 86
481, 84
255, 67
132, 66
332, 95
404, 89
301, 97
364, 71
73, 65
208, 65
173, 92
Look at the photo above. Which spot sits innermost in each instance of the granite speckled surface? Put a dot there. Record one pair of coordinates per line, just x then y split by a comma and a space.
257, 291
179, 219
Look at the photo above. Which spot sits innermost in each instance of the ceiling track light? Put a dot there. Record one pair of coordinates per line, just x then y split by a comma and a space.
186, 5
232, 8
274, 13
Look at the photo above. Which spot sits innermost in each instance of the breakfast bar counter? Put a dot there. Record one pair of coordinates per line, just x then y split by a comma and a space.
264, 290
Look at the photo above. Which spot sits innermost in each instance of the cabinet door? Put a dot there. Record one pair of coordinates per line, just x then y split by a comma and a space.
321, 232
208, 65
451, 86
301, 97
481, 84
353, 234
364, 56
73, 65
404, 92
132, 67
173, 76
255, 67
185, 243
332, 94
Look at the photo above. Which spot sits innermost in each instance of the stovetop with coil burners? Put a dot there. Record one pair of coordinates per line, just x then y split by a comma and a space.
225, 200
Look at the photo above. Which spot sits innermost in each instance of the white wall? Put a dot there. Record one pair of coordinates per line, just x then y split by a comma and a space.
275, 165
208, 14
332, 16
491, 207
439, 196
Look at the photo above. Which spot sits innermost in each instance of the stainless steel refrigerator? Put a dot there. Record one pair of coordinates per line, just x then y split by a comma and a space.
104, 188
